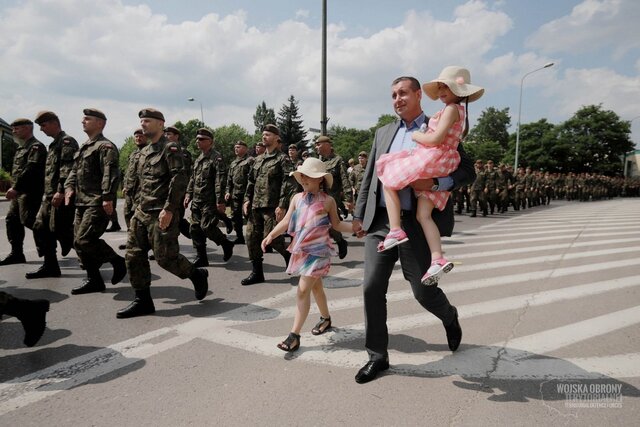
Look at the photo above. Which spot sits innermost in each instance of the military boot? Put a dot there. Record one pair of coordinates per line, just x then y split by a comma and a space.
93, 283
32, 314
473, 213
142, 305
200, 280
14, 257
256, 276
228, 223
49, 268
227, 248
201, 257
185, 228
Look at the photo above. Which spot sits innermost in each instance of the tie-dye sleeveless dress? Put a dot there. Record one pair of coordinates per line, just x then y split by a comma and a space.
311, 246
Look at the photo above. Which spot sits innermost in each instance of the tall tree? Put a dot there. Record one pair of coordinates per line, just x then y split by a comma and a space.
349, 142
188, 134
290, 124
491, 126
262, 117
226, 137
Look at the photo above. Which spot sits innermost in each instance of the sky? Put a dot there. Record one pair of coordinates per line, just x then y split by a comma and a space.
230, 55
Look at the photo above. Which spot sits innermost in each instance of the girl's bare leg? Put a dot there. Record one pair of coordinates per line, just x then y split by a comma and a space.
429, 227
303, 302
392, 199
321, 298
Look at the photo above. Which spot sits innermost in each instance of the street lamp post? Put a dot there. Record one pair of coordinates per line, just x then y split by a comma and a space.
201, 110
550, 64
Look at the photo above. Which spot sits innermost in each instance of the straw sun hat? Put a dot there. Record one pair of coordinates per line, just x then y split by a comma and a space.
313, 168
458, 79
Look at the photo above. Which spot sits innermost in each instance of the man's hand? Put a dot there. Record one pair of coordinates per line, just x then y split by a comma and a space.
108, 207
245, 209
221, 207
57, 200
11, 194
68, 195
164, 219
356, 227
280, 213
186, 202
227, 196
422, 184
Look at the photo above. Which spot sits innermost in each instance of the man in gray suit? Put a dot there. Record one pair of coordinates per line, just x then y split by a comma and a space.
370, 219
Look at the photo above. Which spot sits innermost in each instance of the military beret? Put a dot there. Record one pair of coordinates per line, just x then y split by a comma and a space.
138, 132
151, 113
172, 129
94, 113
294, 146
271, 128
241, 142
323, 138
45, 116
204, 133
363, 154
21, 122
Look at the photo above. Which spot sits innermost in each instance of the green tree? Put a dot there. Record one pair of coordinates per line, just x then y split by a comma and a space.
188, 133
262, 117
383, 120
290, 124
487, 151
349, 142
491, 126
127, 148
9, 148
227, 136
538, 142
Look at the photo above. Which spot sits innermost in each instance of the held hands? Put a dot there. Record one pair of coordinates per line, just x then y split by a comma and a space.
164, 219
356, 227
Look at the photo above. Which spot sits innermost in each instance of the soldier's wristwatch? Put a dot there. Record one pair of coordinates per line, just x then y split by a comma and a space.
436, 185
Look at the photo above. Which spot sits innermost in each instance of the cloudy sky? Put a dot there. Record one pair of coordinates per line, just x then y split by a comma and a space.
123, 55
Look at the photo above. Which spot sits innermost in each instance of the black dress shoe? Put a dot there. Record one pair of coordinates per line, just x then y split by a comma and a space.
119, 270
44, 271
139, 307
454, 332
88, 286
200, 281
370, 371
13, 258
253, 278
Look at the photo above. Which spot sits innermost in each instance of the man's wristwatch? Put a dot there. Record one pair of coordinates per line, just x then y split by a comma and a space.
436, 185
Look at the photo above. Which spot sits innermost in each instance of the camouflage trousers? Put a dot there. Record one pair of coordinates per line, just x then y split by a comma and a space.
146, 235
478, 197
22, 213
129, 209
261, 222
54, 224
89, 225
204, 224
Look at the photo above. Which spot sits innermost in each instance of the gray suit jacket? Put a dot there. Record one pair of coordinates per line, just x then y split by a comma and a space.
369, 196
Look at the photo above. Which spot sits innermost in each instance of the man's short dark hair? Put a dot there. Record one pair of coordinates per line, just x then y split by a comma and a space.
415, 84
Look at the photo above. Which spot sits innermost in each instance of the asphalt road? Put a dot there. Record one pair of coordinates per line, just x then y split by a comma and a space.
549, 302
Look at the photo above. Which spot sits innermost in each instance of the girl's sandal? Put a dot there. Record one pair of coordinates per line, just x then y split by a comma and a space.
287, 344
322, 326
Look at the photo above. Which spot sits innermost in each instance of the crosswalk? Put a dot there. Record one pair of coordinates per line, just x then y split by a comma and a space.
538, 274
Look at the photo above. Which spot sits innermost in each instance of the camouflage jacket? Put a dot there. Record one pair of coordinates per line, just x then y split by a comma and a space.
238, 176
162, 178
207, 183
480, 181
28, 168
269, 184
356, 177
131, 185
59, 163
341, 188
95, 175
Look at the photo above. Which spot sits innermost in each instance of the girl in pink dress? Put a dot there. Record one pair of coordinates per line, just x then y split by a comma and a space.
434, 156
310, 216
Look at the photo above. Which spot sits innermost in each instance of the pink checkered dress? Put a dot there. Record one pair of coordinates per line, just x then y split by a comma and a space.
397, 170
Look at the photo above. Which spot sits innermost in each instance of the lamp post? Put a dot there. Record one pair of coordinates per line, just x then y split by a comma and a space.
201, 110
550, 64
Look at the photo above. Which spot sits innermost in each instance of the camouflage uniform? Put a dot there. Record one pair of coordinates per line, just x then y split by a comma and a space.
341, 193
520, 195
28, 180
491, 177
131, 186
236, 187
478, 195
355, 179
206, 191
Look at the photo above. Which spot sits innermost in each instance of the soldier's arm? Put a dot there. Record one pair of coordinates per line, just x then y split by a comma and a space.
178, 183
288, 188
347, 194
67, 155
251, 183
110, 171
221, 180
33, 170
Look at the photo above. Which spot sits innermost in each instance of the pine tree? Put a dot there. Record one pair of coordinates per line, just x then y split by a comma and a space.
290, 124
263, 116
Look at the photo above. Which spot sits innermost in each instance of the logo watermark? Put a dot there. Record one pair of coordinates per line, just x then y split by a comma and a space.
591, 395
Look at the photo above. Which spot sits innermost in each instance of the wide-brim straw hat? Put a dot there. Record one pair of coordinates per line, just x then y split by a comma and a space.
458, 79
313, 168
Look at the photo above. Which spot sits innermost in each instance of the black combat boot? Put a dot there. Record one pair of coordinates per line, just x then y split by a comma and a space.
93, 283
142, 305
49, 268
32, 314
256, 276
185, 228
228, 223
200, 281
473, 213
119, 269
342, 249
227, 248
201, 257
14, 257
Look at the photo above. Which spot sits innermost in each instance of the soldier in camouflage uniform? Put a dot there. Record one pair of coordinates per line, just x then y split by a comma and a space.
173, 135
476, 189
205, 192
266, 200
503, 184
357, 174
529, 184
236, 187
490, 189
93, 181
54, 221
155, 223
31, 313
341, 188
520, 185
131, 185
26, 192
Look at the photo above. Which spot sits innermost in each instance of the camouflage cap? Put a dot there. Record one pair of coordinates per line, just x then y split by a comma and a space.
151, 113
271, 128
21, 122
204, 133
94, 113
45, 116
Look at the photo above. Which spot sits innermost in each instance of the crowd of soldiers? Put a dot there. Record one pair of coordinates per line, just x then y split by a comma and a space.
67, 194
498, 188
